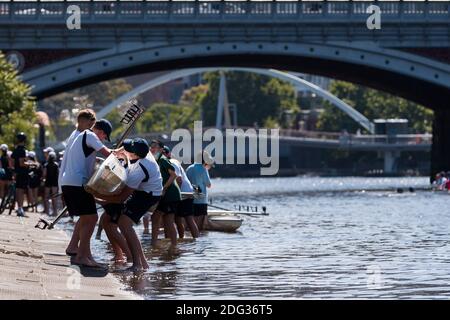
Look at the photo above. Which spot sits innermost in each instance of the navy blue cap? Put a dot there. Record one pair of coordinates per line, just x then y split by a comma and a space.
105, 126
137, 146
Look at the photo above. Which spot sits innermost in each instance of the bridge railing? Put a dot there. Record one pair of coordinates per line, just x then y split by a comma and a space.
343, 139
214, 11
352, 139
400, 139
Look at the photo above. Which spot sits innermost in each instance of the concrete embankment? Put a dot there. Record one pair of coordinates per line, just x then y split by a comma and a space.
33, 265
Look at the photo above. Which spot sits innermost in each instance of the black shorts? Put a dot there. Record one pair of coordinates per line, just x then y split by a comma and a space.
200, 209
134, 208
168, 207
35, 183
22, 181
185, 208
78, 201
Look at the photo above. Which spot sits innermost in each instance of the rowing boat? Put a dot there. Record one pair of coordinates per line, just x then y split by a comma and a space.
222, 220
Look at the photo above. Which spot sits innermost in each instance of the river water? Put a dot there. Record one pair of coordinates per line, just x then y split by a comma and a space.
324, 238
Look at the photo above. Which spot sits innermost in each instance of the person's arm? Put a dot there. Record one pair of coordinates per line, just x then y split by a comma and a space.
22, 163
179, 181
207, 179
105, 152
173, 176
94, 142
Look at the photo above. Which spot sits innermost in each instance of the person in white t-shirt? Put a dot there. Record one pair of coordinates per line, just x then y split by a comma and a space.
80, 165
185, 210
143, 190
85, 120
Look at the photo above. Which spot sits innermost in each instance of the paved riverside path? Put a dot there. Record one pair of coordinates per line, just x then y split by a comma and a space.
33, 266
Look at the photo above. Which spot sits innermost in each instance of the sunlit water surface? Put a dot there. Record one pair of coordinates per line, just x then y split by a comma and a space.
323, 238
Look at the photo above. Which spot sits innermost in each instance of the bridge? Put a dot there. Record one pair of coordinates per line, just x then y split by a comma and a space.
389, 146
409, 56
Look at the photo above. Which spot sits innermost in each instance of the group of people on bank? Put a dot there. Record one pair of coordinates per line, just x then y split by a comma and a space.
20, 168
155, 183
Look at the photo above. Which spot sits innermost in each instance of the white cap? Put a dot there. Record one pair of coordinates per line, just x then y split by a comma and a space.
52, 154
49, 149
32, 154
4, 147
205, 157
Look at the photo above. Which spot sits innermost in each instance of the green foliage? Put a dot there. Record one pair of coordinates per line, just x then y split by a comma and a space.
258, 98
97, 95
17, 108
374, 105
159, 117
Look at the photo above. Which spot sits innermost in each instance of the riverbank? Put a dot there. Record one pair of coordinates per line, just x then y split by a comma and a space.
34, 266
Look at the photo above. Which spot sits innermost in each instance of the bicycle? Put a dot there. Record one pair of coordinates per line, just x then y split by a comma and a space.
9, 200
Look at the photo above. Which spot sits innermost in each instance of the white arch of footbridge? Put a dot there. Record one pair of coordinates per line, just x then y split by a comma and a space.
293, 79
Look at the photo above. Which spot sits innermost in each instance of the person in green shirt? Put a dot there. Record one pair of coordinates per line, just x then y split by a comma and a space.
171, 196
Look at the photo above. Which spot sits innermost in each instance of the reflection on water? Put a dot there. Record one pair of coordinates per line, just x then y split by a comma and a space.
324, 238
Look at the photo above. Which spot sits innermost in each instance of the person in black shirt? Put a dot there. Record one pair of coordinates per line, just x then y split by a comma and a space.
50, 176
5, 170
19, 157
35, 176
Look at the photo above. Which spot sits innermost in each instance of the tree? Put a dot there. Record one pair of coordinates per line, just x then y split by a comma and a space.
17, 107
259, 98
373, 104
97, 96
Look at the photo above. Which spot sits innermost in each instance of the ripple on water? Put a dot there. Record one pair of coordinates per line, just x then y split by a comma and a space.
324, 238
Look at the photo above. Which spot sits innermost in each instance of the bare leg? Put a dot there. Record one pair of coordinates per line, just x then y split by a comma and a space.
100, 227
169, 226
146, 221
156, 220
46, 199
192, 226
20, 195
118, 242
54, 200
73, 244
87, 226
126, 227
200, 220
35, 198
29, 199
180, 226
2, 188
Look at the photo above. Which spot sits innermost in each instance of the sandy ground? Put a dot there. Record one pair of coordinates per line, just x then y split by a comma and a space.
33, 266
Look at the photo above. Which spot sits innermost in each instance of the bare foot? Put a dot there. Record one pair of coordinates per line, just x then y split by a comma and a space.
85, 262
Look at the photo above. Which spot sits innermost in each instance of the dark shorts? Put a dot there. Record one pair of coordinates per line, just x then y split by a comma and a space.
22, 181
78, 201
185, 208
7, 175
200, 209
134, 208
168, 207
35, 183
51, 184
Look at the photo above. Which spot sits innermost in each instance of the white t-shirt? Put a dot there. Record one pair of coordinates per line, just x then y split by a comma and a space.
80, 159
69, 142
144, 175
186, 185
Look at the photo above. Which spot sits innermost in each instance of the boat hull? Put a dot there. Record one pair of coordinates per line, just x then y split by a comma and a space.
226, 221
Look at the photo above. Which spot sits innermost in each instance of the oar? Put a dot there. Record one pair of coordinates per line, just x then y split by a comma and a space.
239, 212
